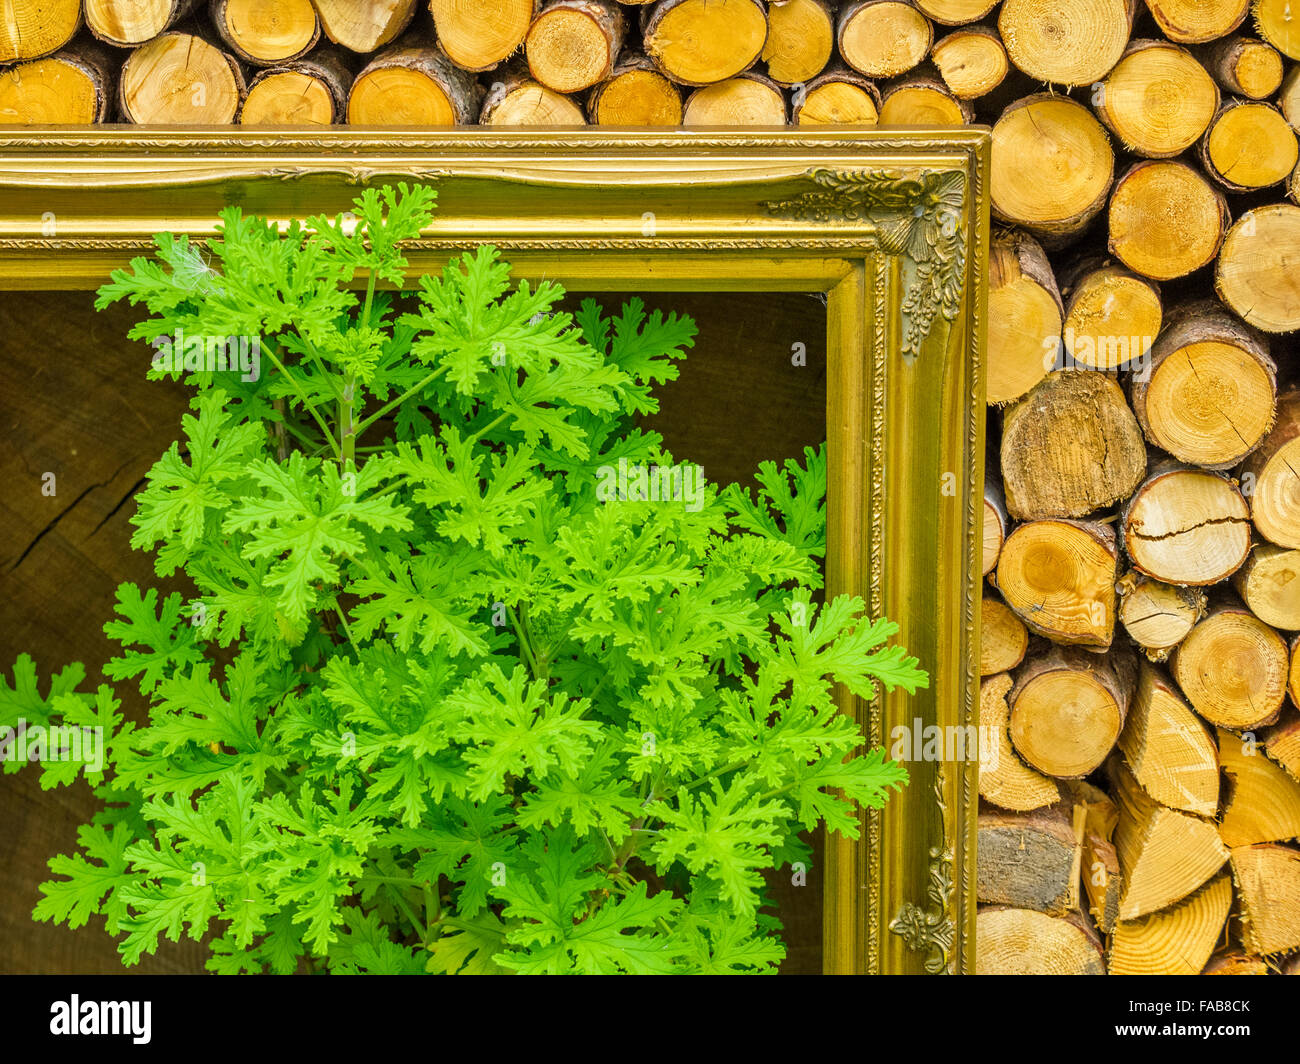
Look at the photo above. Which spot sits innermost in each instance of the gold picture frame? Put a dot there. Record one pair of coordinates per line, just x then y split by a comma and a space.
892, 225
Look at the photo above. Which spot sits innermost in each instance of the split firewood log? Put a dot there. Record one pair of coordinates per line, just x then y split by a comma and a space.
1267, 878
1027, 942
1174, 941
1168, 749
1005, 780
996, 522
1261, 801
1165, 854
1235, 962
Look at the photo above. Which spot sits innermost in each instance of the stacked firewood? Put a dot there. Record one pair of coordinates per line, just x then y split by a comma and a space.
1140, 658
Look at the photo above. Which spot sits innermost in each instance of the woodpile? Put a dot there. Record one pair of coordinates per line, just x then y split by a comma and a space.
1141, 534
1142, 508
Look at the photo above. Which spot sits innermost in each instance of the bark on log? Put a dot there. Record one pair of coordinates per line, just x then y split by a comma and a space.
1244, 66
1029, 861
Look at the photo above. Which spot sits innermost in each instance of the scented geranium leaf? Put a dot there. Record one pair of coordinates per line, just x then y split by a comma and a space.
370, 238
840, 642
790, 504
721, 944
93, 879
865, 780
309, 518
426, 601
723, 835
365, 948
22, 705
593, 798
560, 931
166, 638
466, 842
510, 725
466, 947
180, 495
476, 501
80, 743
644, 348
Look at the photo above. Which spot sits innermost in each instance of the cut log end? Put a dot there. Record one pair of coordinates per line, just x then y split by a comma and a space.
1059, 577
1166, 220
34, 30
1248, 146
1158, 616
1175, 941
1026, 942
700, 42
1066, 42
972, 62
1233, 668
573, 44
881, 38
1158, 100
265, 32
749, 100
180, 79
1197, 21
1268, 886
1186, 526
1004, 779
1112, 318
1253, 275
800, 40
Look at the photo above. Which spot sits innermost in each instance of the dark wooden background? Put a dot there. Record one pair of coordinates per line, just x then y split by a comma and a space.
74, 402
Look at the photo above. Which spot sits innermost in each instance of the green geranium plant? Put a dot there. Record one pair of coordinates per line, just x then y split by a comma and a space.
472, 677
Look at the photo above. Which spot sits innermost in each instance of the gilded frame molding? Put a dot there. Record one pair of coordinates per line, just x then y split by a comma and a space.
892, 225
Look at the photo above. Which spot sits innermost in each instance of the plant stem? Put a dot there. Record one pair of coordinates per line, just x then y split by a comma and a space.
347, 429
302, 396
368, 421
